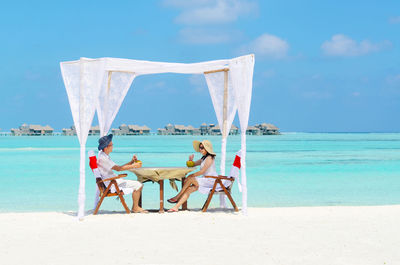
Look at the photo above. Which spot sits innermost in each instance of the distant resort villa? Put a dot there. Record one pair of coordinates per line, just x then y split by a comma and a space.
169, 129
122, 130
204, 129
131, 130
25, 129
212, 129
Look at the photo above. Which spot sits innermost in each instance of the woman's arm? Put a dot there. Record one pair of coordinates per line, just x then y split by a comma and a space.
207, 164
197, 162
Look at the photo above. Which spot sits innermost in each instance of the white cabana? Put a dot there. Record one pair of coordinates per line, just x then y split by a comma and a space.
102, 84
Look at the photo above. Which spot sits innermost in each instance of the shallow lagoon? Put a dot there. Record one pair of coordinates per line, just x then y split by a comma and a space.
293, 169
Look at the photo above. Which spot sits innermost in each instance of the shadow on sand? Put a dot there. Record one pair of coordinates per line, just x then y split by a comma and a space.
153, 211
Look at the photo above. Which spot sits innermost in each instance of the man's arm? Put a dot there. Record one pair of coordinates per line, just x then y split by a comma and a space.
131, 164
127, 166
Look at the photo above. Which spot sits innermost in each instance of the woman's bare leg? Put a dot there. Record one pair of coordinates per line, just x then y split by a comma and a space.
184, 197
188, 183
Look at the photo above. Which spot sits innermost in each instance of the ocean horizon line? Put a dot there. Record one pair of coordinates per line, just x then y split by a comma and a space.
8, 133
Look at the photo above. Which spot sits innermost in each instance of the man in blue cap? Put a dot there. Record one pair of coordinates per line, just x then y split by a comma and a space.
106, 167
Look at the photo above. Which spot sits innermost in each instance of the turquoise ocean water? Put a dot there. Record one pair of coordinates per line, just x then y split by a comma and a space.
293, 169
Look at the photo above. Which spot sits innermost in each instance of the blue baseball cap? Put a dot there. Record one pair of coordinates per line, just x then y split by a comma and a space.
104, 141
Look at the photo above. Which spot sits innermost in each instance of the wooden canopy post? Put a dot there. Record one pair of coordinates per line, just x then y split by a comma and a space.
224, 129
225, 108
225, 111
216, 71
224, 133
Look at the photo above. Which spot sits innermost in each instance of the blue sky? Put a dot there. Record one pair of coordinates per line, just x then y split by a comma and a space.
321, 66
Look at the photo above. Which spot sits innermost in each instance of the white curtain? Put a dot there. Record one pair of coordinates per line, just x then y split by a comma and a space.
114, 87
216, 87
215, 82
82, 82
242, 79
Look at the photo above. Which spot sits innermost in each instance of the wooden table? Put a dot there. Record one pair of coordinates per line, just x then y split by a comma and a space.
159, 174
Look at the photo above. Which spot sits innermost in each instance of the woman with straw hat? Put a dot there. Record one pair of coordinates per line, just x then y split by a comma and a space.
194, 182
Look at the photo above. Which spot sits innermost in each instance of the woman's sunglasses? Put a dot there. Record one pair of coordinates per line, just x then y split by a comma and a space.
201, 147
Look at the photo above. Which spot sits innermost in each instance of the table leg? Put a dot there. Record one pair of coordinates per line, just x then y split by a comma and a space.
161, 182
140, 199
184, 205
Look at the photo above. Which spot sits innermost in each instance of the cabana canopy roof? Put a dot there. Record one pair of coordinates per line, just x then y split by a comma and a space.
140, 67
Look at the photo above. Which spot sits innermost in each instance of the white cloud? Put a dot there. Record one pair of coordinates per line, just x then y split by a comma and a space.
207, 36
341, 45
211, 11
207, 21
394, 20
268, 46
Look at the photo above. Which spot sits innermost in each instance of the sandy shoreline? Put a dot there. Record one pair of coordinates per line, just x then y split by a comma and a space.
299, 235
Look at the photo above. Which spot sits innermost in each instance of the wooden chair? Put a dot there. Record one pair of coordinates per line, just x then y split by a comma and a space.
106, 192
225, 190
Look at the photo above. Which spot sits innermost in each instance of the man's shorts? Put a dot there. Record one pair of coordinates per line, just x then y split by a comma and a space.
129, 184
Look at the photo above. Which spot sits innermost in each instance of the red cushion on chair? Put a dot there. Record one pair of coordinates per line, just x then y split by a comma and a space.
93, 162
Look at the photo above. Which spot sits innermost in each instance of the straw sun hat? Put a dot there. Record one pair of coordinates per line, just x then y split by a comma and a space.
207, 145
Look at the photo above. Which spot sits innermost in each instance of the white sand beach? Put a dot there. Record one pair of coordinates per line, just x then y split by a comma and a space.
299, 235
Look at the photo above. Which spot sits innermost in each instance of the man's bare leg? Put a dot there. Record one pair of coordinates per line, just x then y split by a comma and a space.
135, 198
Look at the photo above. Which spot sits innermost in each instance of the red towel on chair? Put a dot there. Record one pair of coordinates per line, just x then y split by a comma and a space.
235, 170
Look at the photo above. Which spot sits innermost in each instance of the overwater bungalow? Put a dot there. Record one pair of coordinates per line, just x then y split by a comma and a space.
123, 129
131, 130
32, 130
139, 130
69, 131
234, 130
204, 129
94, 130
214, 130
252, 130
268, 129
178, 129
210, 129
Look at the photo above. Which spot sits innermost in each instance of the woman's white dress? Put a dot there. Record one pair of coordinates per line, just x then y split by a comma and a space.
206, 184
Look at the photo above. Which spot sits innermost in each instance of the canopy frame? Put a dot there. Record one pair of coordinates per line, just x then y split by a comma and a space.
90, 86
